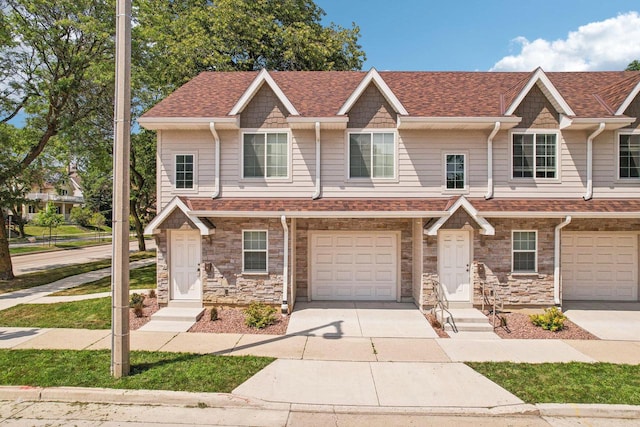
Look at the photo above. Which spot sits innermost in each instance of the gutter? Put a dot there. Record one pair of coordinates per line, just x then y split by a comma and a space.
556, 260
590, 139
285, 270
216, 139
316, 194
493, 133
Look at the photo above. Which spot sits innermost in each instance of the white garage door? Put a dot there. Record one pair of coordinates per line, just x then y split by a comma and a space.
600, 266
354, 266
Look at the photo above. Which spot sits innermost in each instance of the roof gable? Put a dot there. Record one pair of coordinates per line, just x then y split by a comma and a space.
373, 77
540, 78
262, 78
462, 203
628, 100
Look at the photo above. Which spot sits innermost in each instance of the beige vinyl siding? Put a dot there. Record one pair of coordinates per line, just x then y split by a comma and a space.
571, 181
605, 170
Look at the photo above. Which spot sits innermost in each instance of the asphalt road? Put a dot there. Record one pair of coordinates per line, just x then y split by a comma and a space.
43, 261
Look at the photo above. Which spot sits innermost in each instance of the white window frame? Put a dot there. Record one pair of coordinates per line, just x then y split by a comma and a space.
534, 132
465, 188
524, 272
194, 187
631, 180
266, 251
285, 131
371, 132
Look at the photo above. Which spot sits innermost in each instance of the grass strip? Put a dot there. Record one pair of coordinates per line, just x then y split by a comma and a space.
149, 370
85, 314
139, 278
30, 280
573, 382
58, 246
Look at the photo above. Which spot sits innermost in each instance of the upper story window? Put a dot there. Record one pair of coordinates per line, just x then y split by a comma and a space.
64, 192
265, 155
524, 251
534, 155
185, 170
455, 171
629, 156
372, 155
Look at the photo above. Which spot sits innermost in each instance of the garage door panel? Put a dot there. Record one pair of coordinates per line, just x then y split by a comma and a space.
598, 265
351, 265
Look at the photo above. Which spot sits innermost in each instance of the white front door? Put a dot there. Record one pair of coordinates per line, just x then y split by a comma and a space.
185, 259
453, 266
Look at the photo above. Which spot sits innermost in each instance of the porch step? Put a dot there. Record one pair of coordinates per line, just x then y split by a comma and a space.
173, 319
470, 321
187, 303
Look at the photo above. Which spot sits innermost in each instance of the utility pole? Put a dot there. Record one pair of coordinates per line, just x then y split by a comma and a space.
120, 339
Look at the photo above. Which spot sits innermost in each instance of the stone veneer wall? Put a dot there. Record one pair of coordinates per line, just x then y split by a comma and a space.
353, 224
162, 268
536, 111
224, 283
264, 110
372, 110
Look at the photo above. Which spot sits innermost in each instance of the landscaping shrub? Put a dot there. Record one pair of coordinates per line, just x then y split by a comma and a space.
213, 314
259, 315
152, 293
551, 320
136, 299
138, 309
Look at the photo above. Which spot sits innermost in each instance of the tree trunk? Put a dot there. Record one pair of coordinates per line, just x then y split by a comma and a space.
6, 268
142, 246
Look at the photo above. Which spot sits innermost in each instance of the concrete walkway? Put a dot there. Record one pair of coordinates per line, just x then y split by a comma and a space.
606, 320
32, 295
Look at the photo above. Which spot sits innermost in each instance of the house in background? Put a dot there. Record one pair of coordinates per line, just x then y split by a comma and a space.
288, 186
65, 194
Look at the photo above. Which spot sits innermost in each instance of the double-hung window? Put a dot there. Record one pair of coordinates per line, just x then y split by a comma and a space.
372, 155
254, 251
534, 155
629, 156
524, 248
184, 171
265, 155
455, 178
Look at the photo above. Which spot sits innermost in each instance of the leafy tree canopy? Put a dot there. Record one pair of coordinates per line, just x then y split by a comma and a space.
633, 66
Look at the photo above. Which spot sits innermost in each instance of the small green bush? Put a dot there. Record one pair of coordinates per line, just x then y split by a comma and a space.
152, 293
551, 320
213, 314
259, 315
138, 309
135, 299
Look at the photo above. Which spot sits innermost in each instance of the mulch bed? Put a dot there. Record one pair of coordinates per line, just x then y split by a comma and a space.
231, 321
150, 307
521, 328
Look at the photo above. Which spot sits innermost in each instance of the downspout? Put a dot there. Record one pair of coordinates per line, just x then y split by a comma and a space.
216, 139
493, 133
285, 271
590, 139
316, 194
556, 260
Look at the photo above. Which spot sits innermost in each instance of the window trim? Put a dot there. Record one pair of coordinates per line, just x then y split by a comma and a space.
348, 134
194, 187
266, 251
558, 153
465, 188
263, 131
524, 272
620, 179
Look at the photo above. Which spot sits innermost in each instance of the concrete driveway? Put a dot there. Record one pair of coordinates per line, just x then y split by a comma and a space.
607, 320
337, 319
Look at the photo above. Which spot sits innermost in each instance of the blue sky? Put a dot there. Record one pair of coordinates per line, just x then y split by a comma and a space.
476, 35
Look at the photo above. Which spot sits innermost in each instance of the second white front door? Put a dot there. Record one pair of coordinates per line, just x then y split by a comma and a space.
185, 260
453, 267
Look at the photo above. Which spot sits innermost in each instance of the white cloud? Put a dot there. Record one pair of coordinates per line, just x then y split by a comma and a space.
605, 45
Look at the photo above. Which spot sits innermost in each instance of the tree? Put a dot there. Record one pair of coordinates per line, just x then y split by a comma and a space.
633, 66
48, 217
55, 62
81, 216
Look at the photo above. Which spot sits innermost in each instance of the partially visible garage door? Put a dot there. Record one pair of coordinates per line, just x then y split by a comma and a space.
354, 265
600, 266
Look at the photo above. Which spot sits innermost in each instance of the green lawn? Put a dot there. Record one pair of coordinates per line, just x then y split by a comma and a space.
62, 230
86, 314
59, 246
566, 382
149, 370
30, 280
139, 278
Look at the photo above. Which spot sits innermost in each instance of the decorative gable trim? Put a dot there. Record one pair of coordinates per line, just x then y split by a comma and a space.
176, 203
628, 100
485, 228
373, 76
262, 78
539, 77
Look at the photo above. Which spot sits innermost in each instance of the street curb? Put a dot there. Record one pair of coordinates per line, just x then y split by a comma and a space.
587, 410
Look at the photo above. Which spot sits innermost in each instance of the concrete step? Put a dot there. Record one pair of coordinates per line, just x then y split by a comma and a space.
187, 303
468, 315
469, 327
178, 314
